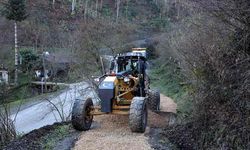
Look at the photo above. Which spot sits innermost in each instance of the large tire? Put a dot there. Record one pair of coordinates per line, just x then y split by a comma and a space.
81, 118
138, 115
154, 100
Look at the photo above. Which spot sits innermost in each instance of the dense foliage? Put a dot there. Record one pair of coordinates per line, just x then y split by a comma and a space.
210, 41
15, 10
28, 60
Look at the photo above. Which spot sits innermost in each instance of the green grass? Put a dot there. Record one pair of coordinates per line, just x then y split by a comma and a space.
49, 141
21, 91
17, 102
169, 80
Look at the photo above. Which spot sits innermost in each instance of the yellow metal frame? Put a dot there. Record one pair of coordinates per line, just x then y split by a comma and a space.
139, 49
120, 110
122, 101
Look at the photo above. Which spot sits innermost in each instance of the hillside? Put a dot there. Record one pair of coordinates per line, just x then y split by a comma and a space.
53, 27
198, 56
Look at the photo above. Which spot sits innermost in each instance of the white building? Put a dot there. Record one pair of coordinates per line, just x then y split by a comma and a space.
4, 77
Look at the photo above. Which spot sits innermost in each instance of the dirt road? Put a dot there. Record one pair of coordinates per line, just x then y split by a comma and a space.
113, 133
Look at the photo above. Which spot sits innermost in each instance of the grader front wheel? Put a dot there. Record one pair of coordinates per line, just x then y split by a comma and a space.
138, 115
81, 117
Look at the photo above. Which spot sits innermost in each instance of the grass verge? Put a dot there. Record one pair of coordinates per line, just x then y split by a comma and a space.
15, 104
49, 141
167, 77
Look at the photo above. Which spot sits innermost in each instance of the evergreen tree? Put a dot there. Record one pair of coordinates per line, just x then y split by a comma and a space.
15, 10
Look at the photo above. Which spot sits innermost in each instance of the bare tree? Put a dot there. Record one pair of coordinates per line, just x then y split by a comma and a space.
7, 128
86, 10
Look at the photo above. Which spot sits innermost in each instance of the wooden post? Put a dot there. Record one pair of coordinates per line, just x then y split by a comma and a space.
44, 73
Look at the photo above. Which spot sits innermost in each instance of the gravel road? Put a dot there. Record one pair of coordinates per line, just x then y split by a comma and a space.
111, 132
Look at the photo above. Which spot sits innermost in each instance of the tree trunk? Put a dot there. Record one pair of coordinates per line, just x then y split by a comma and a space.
127, 5
101, 4
16, 54
164, 7
96, 8
53, 4
86, 10
177, 4
73, 6
117, 9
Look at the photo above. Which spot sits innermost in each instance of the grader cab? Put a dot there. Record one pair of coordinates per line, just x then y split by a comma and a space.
124, 91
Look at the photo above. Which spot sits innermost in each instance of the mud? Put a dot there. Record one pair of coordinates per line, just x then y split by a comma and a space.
159, 141
68, 142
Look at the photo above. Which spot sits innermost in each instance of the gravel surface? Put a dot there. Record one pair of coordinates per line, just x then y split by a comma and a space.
111, 132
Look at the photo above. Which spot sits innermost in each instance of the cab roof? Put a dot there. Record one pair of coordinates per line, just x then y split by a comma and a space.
132, 55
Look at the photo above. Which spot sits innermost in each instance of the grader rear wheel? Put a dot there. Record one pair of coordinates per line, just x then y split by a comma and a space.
154, 100
138, 115
81, 118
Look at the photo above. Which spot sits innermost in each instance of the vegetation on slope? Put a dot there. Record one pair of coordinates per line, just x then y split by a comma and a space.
168, 78
211, 43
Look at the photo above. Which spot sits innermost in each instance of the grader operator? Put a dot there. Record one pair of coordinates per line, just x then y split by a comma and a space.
124, 91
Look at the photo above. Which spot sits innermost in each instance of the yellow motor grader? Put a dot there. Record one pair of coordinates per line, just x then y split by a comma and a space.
124, 91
